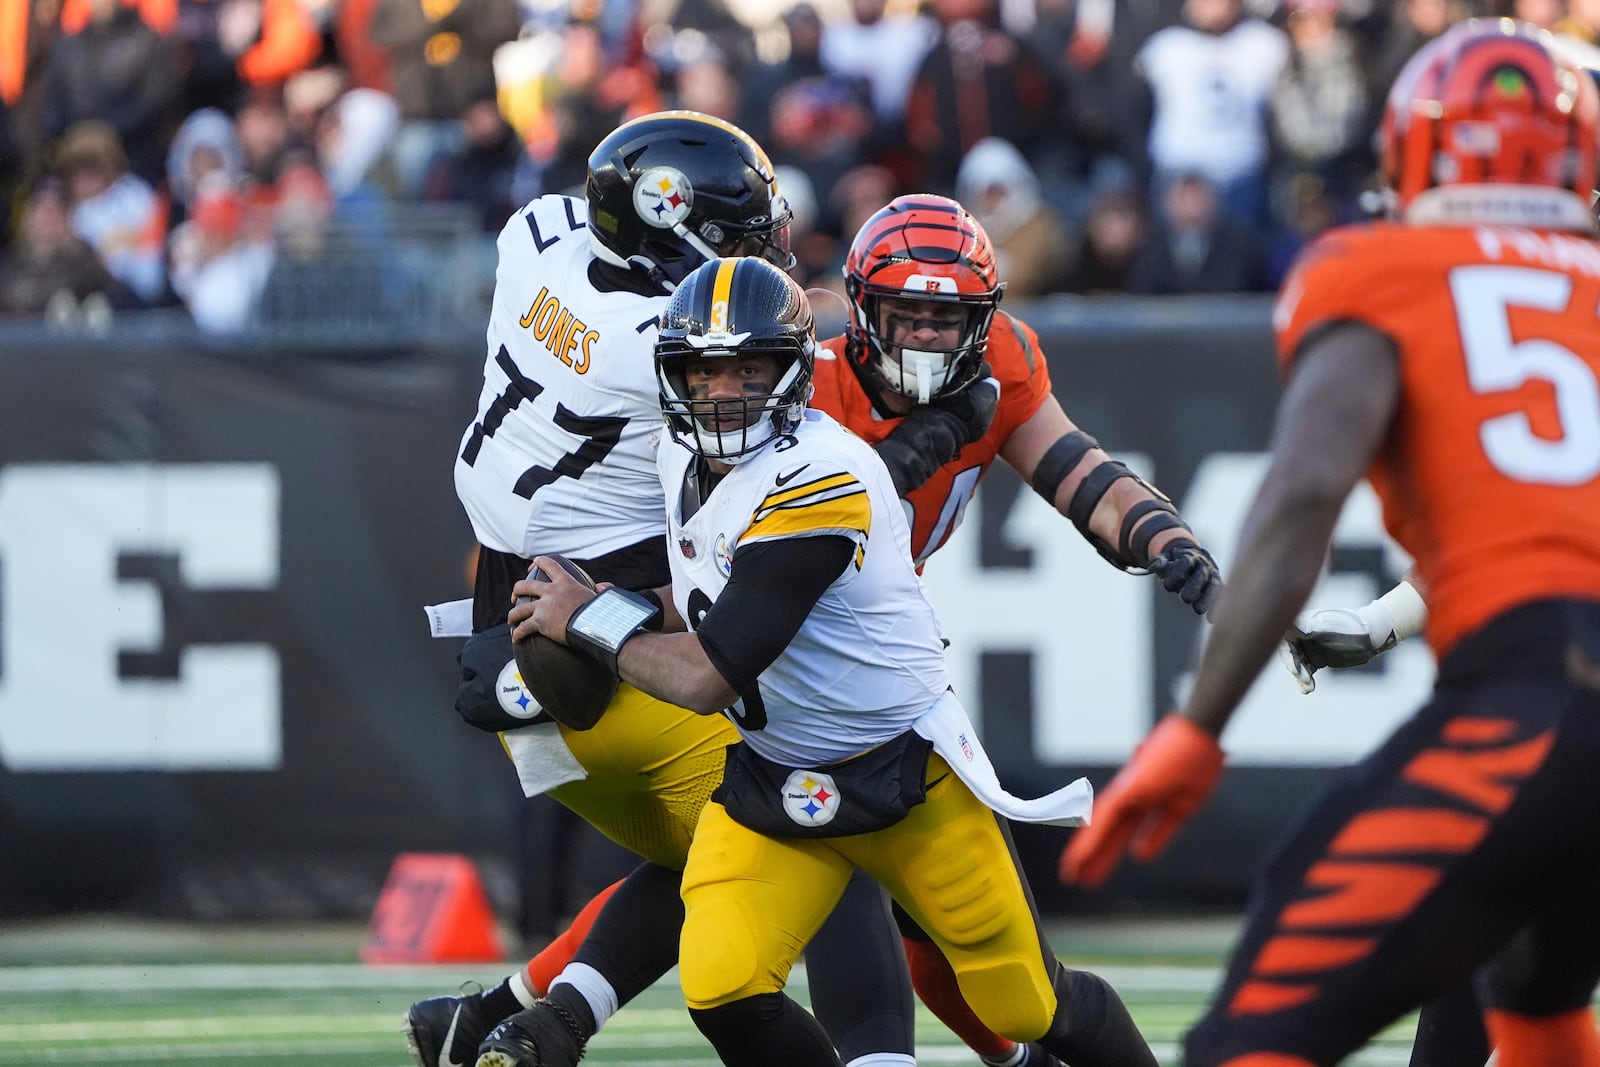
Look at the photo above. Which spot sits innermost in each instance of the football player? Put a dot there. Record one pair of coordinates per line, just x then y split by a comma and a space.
941, 382
561, 459
926, 333
925, 329
910, 376
1454, 355
808, 624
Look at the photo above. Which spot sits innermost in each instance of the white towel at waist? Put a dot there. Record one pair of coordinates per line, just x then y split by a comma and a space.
946, 725
538, 752
541, 757
450, 619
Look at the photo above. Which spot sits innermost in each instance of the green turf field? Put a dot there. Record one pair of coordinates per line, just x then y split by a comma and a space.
106, 993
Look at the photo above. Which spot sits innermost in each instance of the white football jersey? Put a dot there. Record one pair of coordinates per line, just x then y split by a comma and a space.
561, 456
868, 660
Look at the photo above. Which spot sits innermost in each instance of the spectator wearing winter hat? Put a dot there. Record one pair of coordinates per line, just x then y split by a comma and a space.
206, 142
218, 267
51, 267
1002, 191
115, 211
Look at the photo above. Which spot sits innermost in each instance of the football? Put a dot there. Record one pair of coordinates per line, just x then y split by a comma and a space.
572, 688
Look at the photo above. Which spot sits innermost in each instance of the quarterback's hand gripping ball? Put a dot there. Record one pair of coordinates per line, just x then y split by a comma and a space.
571, 687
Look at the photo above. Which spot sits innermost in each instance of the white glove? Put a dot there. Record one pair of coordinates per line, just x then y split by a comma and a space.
1340, 638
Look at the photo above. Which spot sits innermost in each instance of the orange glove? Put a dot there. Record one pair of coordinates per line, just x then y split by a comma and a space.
1171, 774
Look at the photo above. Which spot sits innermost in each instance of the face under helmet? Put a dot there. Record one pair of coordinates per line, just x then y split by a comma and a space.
929, 249
726, 309
669, 191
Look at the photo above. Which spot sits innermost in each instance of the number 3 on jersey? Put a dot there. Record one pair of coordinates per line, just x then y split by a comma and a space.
1485, 297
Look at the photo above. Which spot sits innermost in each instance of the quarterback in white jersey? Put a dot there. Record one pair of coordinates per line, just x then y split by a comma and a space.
869, 661
808, 626
559, 458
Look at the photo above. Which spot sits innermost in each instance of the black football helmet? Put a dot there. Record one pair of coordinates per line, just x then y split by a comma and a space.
729, 308
669, 191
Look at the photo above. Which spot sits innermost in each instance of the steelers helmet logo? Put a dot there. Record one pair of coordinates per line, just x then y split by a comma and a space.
515, 700
662, 197
810, 798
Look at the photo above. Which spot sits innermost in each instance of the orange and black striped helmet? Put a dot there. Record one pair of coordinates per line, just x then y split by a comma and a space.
929, 250
1490, 102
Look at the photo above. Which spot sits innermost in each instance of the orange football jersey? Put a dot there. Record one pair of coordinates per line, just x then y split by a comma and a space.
1490, 476
936, 508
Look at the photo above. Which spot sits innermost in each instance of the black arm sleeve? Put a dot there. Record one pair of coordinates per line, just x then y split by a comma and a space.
772, 589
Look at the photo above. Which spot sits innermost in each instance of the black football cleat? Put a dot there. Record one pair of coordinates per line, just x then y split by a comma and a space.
446, 1031
534, 1037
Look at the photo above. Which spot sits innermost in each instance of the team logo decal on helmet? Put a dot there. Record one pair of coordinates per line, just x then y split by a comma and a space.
669, 191
810, 798
663, 197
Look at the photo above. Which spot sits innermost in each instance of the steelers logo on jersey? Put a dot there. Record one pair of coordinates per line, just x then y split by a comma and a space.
662, 196
810, 798
515, 700
724, 555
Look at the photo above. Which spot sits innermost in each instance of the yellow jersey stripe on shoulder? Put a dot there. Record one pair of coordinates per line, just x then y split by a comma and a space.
821, 488
848, 513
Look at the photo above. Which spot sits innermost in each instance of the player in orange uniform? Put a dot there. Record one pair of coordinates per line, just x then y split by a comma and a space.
941, 382
1454, 352
927, 346
926, 336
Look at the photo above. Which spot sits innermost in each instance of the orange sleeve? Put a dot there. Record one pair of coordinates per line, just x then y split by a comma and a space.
1018, 364
13, 48
289, 43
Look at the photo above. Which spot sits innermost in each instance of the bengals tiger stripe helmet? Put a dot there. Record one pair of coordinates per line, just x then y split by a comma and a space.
726, 309
927, 249
671, 190
1491, 102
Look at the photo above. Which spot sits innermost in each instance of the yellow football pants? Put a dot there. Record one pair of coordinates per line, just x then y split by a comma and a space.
753, 902
652, 767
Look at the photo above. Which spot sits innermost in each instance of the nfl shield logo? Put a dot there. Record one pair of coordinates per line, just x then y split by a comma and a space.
686, 546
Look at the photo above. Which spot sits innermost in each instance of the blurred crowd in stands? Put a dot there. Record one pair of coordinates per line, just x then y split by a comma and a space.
276, 161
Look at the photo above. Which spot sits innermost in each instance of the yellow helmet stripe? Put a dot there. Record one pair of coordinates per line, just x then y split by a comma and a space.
721, 290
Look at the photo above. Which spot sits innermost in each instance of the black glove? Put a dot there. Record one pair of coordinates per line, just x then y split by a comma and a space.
1188, 570
934, 433
974, 406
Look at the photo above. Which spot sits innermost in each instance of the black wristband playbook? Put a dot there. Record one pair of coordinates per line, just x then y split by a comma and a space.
601, 627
